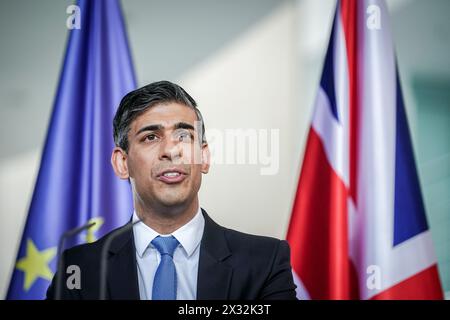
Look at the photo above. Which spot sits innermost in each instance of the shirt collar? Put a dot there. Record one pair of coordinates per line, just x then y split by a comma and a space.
189, 235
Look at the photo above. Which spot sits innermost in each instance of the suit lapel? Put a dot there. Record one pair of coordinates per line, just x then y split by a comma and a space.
214, 274
122, 270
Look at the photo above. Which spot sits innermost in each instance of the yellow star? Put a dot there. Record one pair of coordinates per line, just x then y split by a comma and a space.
90, 236
35, 264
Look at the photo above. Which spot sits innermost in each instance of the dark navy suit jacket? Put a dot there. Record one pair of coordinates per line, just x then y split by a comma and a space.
232, 265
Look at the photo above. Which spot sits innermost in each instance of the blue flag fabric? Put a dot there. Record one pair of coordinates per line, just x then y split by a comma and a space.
76, 183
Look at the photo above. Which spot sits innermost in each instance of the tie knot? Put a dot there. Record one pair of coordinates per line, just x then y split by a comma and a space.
165, 245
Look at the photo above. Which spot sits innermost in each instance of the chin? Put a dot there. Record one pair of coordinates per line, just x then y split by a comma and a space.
172, 200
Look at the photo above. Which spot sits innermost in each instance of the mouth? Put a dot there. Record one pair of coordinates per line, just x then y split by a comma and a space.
171, 176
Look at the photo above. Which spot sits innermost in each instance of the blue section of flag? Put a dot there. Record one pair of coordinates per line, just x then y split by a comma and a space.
75, 181
327, 80
409, 215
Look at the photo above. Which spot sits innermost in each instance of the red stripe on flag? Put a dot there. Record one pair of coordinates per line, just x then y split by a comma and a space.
424, 285
348, 12
318, 228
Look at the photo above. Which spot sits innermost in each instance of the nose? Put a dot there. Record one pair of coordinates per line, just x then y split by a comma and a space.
170, 150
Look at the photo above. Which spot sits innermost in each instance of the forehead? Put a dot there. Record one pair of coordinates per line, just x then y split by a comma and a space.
165, 114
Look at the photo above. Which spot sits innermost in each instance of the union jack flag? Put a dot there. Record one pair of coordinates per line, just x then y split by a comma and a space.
358, 228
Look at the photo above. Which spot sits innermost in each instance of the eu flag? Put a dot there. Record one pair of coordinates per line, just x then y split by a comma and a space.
76, 183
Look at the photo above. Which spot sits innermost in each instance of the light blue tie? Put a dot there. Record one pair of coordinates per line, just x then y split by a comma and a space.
165, 281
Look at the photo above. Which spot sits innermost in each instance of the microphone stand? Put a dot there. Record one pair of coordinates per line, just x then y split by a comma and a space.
68, 234
104, 258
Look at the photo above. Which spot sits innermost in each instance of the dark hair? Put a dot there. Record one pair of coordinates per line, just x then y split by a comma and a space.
138, 101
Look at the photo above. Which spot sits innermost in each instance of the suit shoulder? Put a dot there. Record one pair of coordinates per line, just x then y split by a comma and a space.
89, 251
241, 241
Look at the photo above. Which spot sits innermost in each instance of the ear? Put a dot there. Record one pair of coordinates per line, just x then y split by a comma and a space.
119, 163
206, 158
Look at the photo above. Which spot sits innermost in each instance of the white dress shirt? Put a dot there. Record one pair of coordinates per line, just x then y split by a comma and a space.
185, 257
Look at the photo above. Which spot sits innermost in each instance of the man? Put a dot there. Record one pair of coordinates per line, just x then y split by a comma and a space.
172, 249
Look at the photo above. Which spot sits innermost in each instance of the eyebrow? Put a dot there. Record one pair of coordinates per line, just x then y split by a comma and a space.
183, 125
151, 127
158, 127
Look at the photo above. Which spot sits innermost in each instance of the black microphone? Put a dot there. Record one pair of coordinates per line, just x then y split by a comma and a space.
104, 258
62, 239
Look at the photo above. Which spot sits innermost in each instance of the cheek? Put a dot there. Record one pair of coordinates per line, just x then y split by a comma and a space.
140, 164
192, 155
196, 174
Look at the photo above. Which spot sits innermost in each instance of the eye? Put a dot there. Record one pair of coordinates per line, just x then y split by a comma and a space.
151, 137
185, 136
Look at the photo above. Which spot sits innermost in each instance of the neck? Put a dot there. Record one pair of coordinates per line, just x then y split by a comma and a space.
166, 220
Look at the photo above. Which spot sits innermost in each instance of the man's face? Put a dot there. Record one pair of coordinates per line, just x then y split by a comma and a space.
165, 159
